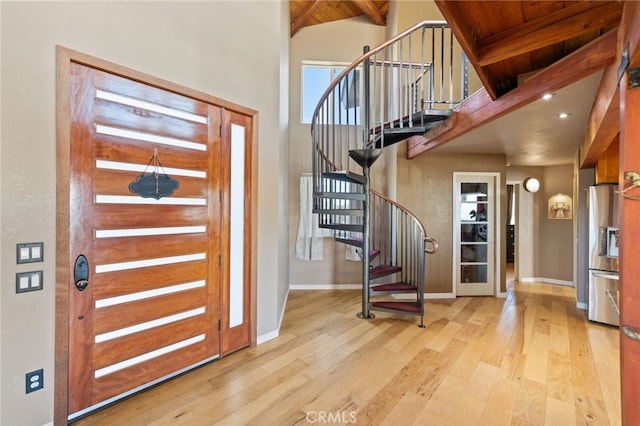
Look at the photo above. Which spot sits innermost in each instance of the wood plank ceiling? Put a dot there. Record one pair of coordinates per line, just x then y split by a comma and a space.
507, 40
531, 46
508, 43
305, 13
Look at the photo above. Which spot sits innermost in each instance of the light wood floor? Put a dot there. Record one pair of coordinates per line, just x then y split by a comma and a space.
529, 359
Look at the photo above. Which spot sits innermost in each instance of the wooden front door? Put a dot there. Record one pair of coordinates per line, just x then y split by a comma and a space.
159, 285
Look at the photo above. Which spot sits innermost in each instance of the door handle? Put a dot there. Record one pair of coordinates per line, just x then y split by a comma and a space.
81, 273
606, 276
632, 333
613, 302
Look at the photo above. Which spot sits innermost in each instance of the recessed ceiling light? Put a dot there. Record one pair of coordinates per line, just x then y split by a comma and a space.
563, 115
547, 96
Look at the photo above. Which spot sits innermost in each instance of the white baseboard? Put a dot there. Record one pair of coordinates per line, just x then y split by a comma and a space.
426, 295
284, 308
268, 336
274, 333
439, 296
359, 287
545, 280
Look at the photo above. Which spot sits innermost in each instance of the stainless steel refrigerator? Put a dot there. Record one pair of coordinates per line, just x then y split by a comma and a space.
603, 254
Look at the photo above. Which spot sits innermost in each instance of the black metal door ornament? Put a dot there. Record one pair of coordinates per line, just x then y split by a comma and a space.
154, 184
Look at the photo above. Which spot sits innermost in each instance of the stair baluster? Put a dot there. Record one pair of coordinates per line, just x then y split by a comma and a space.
391, 110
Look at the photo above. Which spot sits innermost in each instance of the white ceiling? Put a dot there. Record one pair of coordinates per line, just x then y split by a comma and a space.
534, 135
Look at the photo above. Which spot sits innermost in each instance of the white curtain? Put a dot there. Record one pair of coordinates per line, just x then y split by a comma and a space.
309, 242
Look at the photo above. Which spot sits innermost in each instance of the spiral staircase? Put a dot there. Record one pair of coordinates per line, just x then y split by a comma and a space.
397, 90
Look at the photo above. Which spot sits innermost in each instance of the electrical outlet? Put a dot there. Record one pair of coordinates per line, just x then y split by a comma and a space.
34, 381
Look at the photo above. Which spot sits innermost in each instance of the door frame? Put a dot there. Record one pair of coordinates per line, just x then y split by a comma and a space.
628, 211
499, 235
64, 58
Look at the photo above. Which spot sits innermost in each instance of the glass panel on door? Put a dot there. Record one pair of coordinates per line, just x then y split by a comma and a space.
474, 205
473, 235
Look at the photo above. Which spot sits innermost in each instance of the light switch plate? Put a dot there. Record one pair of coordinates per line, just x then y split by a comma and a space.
29, 252
28, 281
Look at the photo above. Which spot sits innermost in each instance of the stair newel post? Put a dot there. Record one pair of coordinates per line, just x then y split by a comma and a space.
366, 231
366, 261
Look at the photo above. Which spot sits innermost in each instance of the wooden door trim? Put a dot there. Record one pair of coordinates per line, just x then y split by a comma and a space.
497, 252
240, 332
64, 58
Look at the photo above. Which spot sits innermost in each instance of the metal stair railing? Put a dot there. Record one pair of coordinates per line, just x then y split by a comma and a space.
412, 73
396, 86
401, 239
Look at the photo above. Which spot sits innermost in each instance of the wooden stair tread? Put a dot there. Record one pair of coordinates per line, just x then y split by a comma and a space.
373, 253
382, 270
406, 307
394, 287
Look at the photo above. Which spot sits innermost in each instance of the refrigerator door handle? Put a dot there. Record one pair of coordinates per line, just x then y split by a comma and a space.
606, 276
613, 301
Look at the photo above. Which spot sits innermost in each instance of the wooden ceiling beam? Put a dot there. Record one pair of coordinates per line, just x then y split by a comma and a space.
452, 13
553, 28
371, 11
604, 121
300, 20
481, 109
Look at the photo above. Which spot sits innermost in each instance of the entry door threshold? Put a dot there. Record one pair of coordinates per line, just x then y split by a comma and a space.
90, 410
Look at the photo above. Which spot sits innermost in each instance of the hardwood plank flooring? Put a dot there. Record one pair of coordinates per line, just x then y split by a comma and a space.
531, 358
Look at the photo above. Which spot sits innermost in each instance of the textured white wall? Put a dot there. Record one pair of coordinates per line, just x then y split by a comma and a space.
229, 49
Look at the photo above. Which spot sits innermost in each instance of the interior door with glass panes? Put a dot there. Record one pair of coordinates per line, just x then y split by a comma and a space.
474, 234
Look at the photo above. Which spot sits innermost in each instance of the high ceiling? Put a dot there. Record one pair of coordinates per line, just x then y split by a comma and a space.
506, 40
519, 49
305, 13
522, 50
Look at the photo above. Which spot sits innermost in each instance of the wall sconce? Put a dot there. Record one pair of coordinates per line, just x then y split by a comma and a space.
559, 207
531, 184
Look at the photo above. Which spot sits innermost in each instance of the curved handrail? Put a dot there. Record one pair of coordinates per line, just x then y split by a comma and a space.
362, 58
392, 85
426, 238
388, 92
434, 245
